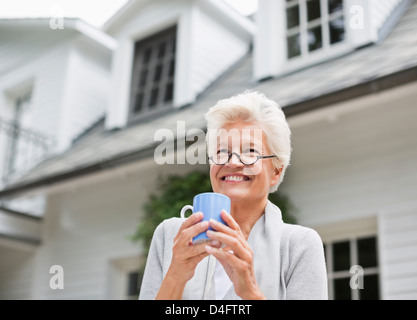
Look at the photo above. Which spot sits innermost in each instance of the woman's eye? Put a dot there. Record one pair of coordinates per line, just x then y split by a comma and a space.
222, 151
251, 151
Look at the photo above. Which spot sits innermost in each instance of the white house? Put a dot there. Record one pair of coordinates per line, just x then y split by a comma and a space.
344, 71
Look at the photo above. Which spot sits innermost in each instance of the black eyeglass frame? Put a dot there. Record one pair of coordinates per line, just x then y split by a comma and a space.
238, 156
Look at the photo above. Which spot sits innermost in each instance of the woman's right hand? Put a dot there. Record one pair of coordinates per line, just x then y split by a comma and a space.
185, 257
185, 254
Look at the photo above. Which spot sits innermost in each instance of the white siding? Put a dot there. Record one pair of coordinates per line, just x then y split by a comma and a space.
17, 45
380, 11
215, 48
399, 254
47, 74
87, 88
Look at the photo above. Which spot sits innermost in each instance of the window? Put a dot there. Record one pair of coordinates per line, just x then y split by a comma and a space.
153, 74
125, 278
134, 280
313, 25
341, 255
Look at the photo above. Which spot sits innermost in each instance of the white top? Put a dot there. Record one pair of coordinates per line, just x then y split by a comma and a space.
222, 283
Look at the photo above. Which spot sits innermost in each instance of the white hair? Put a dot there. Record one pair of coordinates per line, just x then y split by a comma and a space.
255, 107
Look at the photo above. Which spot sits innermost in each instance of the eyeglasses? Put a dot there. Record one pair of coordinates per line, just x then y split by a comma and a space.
247, 158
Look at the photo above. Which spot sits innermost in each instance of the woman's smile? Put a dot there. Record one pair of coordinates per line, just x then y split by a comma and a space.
235, 178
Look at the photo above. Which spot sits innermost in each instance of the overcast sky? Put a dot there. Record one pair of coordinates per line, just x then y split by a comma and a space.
95, 12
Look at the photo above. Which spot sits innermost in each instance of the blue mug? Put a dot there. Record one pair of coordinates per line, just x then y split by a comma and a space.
211, 205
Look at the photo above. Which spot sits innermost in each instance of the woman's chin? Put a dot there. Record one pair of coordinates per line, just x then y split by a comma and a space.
236, 195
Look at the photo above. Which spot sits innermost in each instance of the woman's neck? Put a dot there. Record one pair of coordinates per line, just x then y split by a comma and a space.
247, 214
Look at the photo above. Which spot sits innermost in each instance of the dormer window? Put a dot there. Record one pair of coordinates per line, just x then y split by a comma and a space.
152, 84
313, 25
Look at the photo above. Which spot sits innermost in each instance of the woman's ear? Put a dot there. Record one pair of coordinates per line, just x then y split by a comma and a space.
276, 175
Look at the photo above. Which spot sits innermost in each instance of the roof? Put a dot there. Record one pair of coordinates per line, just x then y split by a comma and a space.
371, 69
219, 7
73, 24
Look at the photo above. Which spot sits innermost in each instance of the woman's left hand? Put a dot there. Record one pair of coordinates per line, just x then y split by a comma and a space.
236, 257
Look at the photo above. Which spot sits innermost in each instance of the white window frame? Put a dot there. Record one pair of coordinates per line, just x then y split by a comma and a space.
118, 279
328, 50
351, 230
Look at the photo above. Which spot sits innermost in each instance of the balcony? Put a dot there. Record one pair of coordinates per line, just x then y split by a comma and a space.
21, 149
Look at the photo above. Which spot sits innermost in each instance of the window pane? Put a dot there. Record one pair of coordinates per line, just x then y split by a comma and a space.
169, 92
335, 5
157, 74
370, 289
147, 55
161, 49
293, 46
313, 9
143, 75
171, 68
367, 252
138, 103
173, 46
342, 289
314, 38
133, 284
154, 97
341, 256
293, 17
337, 30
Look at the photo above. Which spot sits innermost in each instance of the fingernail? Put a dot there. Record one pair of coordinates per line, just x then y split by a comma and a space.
212, 221
204, 224
208, 249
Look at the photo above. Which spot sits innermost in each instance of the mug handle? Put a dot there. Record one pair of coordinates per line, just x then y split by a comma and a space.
185, 208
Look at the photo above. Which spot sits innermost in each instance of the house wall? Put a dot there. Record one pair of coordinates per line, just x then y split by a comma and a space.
85, 230
215, 47
70, 83
45, 75
361, 163
86, 93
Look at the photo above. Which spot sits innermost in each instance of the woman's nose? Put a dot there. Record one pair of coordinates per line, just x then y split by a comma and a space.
234, 161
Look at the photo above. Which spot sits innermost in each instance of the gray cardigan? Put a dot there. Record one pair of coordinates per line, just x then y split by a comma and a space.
289, 261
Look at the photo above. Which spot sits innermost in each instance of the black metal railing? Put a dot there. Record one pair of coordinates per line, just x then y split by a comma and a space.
24, 148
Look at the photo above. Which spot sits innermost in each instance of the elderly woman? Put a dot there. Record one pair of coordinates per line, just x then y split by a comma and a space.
255, 255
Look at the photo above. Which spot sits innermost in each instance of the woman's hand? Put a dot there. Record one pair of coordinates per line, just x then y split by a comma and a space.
236, 257
185, 257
